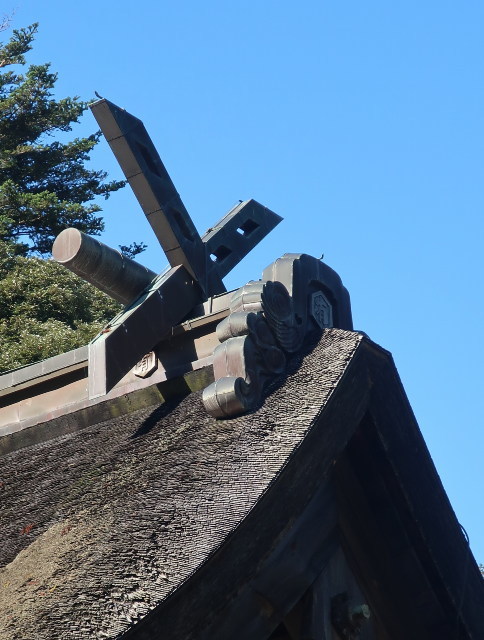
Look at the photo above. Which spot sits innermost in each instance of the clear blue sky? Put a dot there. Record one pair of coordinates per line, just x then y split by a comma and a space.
361, 123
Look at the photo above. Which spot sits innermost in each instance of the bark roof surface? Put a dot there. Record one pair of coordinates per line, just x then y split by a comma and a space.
100, 526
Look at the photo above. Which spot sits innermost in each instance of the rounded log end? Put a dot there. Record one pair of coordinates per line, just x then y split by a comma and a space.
67, 245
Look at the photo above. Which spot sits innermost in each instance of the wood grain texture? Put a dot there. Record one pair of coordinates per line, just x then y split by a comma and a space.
167, 523
128, 509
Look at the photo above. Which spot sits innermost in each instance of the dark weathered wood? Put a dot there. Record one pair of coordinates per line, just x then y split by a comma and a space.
185, 527
156, 193
436, 533
207, 259
314, 608
369, 557
151, 498
294, 269
237, 233
107, 269
270, 319
400, 537
252, 600
139, 327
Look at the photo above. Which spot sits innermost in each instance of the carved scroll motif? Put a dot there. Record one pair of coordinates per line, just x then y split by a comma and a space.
271, 318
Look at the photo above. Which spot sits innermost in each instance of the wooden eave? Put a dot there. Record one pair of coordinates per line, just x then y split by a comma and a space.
361, 478
251, 511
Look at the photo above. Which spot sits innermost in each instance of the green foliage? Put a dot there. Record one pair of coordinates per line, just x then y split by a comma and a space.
133, 249
44, 188
44, 184
45, 309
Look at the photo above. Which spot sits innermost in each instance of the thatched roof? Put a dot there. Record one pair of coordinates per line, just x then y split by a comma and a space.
149, 512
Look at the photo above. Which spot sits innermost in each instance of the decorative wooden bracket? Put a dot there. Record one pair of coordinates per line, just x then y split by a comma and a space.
272, 317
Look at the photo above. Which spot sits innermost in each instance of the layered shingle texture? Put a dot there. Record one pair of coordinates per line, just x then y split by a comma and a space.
100, 526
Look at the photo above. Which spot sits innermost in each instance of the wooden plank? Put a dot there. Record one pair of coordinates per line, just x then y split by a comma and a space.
439, 540
207, 259
237, 233
367, 553
315, 605
139, 328
156, 193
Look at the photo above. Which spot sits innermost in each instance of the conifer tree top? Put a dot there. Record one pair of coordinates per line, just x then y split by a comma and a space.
44, 184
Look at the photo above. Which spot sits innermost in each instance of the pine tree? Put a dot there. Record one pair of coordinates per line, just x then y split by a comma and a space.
44, 184
44, 188
45, 309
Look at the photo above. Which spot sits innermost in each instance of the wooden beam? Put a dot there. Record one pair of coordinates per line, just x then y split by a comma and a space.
237, 233
139, 327
156, 193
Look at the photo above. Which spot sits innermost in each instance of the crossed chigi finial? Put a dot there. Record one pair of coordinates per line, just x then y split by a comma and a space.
155, 303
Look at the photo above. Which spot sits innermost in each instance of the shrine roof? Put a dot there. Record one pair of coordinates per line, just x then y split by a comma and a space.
104, 528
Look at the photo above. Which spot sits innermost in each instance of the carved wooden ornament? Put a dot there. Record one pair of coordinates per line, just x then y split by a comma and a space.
270, 318
146, 366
